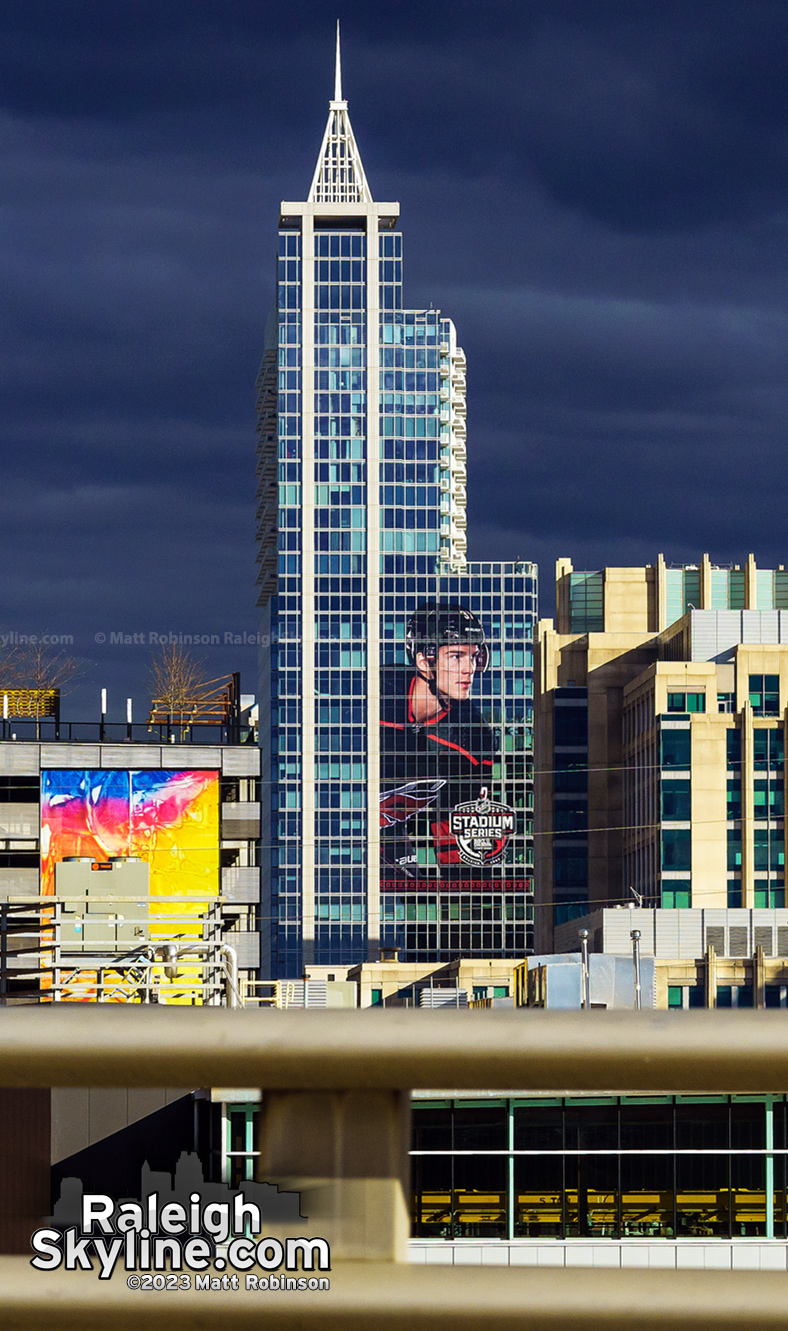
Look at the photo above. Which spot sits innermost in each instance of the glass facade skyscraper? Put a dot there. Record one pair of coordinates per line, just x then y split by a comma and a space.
396, 677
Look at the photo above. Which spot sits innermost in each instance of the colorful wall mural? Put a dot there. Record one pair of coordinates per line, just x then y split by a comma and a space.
169, 819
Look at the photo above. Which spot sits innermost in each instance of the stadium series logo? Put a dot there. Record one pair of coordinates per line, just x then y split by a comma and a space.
482, 828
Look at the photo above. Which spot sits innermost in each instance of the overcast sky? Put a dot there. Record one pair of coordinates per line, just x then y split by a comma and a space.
594, 190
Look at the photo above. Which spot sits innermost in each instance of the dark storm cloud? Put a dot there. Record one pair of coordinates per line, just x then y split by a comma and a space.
132, 337
646, 117
667, 406
642, 115
673, 139
595, 190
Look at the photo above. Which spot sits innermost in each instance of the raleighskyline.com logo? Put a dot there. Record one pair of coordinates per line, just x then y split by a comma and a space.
149, 1237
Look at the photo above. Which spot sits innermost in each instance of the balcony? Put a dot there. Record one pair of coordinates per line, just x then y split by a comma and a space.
240, 821
241, 883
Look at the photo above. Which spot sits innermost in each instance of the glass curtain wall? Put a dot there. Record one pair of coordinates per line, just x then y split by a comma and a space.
456, 765
340, 516
658, 1167
285, 655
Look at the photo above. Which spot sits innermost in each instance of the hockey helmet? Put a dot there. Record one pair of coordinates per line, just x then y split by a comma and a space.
434, 625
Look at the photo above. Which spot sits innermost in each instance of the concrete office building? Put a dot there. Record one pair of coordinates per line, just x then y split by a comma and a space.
110, 848
373, 768
129, 873
661, 697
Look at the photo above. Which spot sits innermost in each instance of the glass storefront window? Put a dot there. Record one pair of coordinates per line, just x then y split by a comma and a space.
748, 1125
702, 1196
661, 1167
432, 1203
538, 1196
480, 1196
432, 1129
591, 1183
779, 1196
647, 1192
591, 1127
539, 1128
240, 1130
748, 1195
647, 1127
701, 1126
481, 1129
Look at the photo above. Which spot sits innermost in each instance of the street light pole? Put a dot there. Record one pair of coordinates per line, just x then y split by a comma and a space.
583, 936
635, 936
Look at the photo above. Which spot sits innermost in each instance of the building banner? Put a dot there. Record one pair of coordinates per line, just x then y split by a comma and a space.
451, 815
160, 831
169, 819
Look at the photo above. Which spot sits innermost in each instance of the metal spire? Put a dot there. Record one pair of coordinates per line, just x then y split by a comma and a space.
338, 71
339, 176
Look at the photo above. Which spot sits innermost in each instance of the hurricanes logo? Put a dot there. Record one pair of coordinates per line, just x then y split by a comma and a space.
482, 828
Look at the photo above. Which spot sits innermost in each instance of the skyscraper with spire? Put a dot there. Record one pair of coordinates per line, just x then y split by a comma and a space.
396, 678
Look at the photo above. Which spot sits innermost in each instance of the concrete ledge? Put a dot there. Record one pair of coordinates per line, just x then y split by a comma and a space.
388, 1297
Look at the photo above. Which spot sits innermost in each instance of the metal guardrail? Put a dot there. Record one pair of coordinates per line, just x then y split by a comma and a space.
266, 993
335, 1124
396, 1048
46, 730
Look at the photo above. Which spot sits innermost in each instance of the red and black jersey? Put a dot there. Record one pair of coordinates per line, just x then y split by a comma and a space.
457, 743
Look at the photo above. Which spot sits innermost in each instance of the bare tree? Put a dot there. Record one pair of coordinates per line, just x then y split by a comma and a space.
40, 668
178, 684
9, 669
36, 675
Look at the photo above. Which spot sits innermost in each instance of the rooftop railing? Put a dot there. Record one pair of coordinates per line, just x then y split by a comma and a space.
116, 949
335, 1126
25, 730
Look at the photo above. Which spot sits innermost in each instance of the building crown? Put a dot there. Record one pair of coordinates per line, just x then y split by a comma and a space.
339, 176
